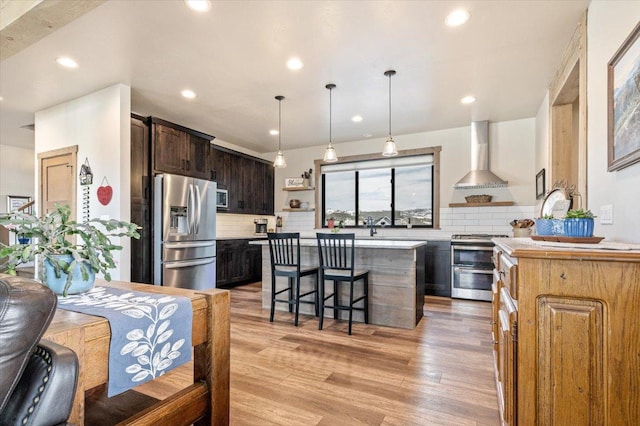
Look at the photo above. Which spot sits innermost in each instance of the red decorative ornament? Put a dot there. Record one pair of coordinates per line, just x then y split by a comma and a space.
105, 192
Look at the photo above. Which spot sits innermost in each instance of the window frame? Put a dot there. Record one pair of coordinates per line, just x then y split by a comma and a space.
435, 151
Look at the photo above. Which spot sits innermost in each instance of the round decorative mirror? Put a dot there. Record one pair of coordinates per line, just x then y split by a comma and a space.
556, 203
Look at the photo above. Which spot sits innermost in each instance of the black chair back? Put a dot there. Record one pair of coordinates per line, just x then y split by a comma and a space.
336, 251
284, 248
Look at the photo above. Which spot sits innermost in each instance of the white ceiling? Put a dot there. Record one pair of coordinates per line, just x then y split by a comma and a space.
234, 58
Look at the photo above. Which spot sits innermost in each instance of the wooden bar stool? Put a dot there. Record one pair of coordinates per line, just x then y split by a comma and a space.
284, 248
337, 254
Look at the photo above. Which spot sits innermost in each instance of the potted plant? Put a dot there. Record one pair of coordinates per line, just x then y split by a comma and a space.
544, 225
306, 176
67, 267
579, 223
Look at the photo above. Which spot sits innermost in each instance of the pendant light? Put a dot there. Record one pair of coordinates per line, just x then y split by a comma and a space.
330, 155
389, 149
279, 162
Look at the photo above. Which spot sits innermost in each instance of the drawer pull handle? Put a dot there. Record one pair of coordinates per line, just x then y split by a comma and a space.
563, 276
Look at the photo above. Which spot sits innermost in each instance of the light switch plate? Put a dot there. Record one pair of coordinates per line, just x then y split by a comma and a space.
606, 214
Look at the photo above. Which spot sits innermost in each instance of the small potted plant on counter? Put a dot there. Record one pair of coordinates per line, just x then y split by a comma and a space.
306, 176
65, 266
579, 223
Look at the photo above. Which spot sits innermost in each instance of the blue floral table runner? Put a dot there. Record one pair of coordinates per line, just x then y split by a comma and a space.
150, 333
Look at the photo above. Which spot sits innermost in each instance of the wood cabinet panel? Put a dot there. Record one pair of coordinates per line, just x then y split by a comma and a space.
169, 149
140, 200
197, 157
237, 262
566, 324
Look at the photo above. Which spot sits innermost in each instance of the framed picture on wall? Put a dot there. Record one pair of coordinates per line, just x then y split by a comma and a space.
623, 98
540, 184
14, 202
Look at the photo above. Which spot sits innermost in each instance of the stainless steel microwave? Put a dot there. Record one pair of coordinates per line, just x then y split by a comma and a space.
222, 198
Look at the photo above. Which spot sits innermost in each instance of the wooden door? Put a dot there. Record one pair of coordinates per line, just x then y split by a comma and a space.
58, 173
169, 149
197, 164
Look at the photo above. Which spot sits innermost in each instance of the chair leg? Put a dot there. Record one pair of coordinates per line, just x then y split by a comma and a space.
350, 305
297, 301
336, 299
320, 300
273, 297
366, 299
316, 292
290, 294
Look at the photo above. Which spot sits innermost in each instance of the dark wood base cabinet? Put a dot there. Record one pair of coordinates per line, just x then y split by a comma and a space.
237, 262
437, 262
566, 335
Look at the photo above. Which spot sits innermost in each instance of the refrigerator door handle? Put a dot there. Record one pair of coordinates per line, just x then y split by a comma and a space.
199, 210
188, 263
183, 245
191, 207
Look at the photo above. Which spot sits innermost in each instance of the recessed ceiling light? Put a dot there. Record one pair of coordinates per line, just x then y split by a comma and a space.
356, 118
468, 100
66, 62
273, 132
1, 99
189, 94
294, 64
367, 135
457, 18
199, 5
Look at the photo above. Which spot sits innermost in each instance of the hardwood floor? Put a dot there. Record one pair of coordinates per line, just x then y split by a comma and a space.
441, 373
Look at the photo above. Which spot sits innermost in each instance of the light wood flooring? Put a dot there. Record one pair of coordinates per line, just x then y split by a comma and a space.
441, 373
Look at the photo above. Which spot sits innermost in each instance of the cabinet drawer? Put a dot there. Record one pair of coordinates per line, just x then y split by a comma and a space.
508, 271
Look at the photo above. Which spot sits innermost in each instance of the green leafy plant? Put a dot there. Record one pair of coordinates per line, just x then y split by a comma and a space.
547, 216
579, 214
53, 235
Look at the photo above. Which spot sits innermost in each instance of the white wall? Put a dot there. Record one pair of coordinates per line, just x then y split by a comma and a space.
608, 25
512, 157
99, 123
16, 173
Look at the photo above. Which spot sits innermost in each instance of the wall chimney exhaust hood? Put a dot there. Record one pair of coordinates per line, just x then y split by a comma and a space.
480, 176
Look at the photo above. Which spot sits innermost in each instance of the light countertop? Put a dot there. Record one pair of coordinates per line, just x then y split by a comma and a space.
362, 243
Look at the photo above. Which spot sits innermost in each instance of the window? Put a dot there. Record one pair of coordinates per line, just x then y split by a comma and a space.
394, 192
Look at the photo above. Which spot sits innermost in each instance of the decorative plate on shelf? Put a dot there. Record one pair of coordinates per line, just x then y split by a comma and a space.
564, 239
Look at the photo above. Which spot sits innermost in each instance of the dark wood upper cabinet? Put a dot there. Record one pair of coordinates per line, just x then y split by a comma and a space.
179, 150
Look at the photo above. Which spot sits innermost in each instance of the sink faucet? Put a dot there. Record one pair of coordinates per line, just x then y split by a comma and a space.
371, 225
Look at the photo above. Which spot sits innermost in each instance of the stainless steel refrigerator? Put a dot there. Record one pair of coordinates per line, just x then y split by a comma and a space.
184, 232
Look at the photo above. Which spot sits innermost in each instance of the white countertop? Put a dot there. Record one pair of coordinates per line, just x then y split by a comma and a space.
362, 243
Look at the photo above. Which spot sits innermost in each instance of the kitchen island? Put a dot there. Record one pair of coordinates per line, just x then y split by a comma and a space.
396, 280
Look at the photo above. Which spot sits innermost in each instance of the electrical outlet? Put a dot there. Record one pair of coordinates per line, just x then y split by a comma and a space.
606, 214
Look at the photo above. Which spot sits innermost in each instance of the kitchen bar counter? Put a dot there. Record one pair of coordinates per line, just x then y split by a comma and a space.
396, 280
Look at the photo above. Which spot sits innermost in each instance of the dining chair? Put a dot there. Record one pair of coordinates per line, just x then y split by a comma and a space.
337, 263
284, 249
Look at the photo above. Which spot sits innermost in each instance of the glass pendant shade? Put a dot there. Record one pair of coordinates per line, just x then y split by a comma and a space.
330, 155
279, 162
389, 149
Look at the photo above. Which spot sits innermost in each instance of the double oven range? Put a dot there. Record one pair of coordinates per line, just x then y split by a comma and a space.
471, 266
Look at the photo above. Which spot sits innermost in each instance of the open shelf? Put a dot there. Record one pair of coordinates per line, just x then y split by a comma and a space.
489, 204
289, 209
298, 188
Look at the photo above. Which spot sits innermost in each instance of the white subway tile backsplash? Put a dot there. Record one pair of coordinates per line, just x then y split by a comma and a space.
478, 216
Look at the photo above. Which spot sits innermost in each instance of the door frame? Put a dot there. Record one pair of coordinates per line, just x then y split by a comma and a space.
73, 150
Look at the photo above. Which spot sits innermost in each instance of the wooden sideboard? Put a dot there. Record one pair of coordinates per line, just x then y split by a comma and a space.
566, 334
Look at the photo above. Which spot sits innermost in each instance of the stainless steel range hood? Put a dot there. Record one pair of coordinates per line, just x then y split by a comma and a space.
480, 176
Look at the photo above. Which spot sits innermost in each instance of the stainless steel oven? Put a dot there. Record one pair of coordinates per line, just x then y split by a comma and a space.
471, 266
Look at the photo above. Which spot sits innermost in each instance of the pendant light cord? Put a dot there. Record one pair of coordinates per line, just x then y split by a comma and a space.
279, 123
330, 103
390, 103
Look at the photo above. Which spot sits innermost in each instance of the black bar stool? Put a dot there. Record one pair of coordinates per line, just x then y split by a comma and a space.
284, 248
337, 254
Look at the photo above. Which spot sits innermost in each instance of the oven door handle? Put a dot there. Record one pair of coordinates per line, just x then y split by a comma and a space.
474, 248
473, 271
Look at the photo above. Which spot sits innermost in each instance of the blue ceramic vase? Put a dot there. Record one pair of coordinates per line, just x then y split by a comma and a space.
78, 285
578, 227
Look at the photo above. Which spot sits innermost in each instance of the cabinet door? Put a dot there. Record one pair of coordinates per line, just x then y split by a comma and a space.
169, 149
268, 188
248, 185
141, 248
237, 267
254, 267
259, 204
222, 264
139, 161
197, 161
507, 357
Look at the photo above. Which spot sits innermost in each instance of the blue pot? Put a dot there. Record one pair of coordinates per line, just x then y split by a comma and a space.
544, 226
582, 227
78, 285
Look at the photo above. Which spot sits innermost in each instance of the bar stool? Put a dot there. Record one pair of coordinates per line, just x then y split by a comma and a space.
284, 248
337, 254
